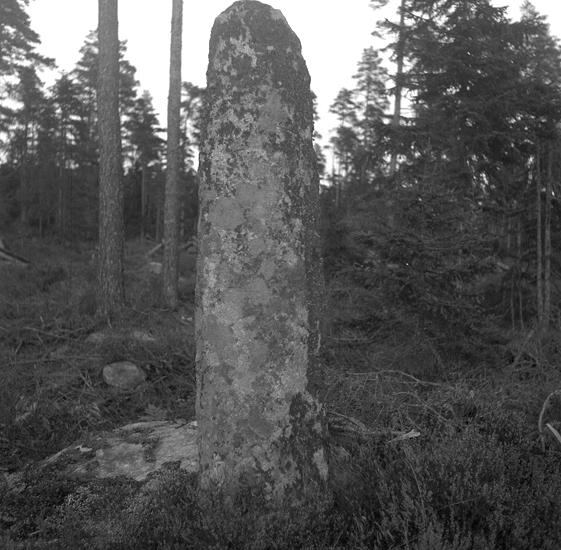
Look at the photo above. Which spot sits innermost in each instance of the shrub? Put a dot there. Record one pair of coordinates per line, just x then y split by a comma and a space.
473, 488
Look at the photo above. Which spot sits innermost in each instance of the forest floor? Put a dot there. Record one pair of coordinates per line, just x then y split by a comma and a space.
481, 468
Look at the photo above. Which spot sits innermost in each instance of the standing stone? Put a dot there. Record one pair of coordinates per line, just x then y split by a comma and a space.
260, 289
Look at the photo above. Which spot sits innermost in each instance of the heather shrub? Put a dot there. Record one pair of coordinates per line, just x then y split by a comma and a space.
476, 487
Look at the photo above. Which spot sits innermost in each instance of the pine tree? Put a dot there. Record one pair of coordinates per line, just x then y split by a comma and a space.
29, 94
485, 95
361, 120
69, 127
346, 140
110, 291
46, 188
173, 169
145, 151
86, 77
542, 78
18, 42
86, 151
371, 101
18, 122
370, 95
191, 104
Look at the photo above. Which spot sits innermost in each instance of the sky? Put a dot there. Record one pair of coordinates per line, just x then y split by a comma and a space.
332, 36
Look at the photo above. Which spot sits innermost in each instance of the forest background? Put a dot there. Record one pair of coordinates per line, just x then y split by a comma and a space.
454, 197
440, 222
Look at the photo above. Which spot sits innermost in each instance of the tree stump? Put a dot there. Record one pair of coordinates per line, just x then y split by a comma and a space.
260, 288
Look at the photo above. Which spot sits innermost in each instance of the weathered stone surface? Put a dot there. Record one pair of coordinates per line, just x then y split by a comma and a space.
123, 375
60, 352
155, 267
110, 481
133, 451
97, 338
260, 289
143, 336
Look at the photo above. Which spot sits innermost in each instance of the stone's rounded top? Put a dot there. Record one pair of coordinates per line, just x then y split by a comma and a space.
253, 4
257, 121
252, 47
264, 23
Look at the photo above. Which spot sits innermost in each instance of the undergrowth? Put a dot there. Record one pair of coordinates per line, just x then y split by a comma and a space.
457, 465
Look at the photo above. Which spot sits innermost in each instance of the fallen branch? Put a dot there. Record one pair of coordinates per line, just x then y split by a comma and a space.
154, 250
344, 427
189, 244
545, 406
50, 334
554, 432
7, 257
401, 373
67, 358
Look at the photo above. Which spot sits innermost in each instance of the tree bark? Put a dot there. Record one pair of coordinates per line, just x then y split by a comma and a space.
400, 53
539, 256
519, 263
260, 289
110, 290
143, 199
173, 169
547, 243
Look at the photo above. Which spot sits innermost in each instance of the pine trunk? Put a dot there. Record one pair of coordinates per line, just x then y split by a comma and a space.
519, 261
400, 53
547, 243
173, 170
143, 199
539, 256
111, 225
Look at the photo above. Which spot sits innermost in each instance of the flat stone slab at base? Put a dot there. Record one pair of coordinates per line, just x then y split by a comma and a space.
110, 483
133, 451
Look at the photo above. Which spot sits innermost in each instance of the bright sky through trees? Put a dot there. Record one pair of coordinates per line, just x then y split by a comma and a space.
333, 35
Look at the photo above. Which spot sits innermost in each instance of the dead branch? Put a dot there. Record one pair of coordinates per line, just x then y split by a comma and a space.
7, 257
154, 250
401, 373
343, 427
546, 405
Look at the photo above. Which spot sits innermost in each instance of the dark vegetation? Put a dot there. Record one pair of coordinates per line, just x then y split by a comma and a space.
442, 334
475, 477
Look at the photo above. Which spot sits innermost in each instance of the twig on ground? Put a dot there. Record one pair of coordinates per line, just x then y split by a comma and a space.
341, 424
545, 406
554, 432
425, 405
50, 334
403, 436
415, 379
56, 359
154, 250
